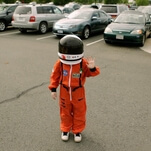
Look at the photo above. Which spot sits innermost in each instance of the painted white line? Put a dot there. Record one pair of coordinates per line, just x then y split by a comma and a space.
45, 37
9, 33
94, 42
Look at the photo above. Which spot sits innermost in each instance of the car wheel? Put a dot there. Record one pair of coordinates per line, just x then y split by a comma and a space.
2, 26
43, 28
143, 41
22, 30
59, 36
86, 32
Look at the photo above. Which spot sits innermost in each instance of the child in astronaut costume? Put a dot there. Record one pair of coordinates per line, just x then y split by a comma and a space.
70, 71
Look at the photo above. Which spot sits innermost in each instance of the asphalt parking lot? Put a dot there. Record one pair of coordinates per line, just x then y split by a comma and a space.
118, 101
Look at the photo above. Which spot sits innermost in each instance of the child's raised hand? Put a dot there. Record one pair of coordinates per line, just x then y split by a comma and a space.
90, 62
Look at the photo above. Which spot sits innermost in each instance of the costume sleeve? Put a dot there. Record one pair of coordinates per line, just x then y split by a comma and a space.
90, 72
55, 77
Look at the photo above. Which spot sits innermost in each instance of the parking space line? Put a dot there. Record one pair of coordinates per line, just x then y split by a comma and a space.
94, 42
11, 33
45, 37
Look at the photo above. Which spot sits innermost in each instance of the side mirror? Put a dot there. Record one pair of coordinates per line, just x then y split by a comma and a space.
9, 11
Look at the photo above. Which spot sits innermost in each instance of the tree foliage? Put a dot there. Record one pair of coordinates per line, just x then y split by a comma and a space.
63, 2
116, 1
142, 2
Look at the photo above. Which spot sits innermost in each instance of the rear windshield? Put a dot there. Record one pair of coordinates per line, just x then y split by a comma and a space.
109, 9
23, 10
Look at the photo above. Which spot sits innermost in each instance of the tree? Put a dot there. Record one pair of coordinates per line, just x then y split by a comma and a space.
62, 2
142, 2
115, 1
111, 1
8, 1
124, 1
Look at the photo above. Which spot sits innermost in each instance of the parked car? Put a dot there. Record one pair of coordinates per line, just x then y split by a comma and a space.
82, 22
67, 10
40, 17
73, 5
6, 13
89, 6
96, 5
114, 9
140, 8
129, 27
85, 6
147, 9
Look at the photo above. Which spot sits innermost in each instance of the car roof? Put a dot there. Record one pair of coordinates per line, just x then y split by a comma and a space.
132, 12
113, 4
89, 9
37, 5
8, 4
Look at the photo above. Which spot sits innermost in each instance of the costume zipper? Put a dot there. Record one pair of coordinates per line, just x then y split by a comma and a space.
70, 92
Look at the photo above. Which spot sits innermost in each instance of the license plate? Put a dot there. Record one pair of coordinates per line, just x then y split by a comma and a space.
21, 19
60, 31
119, 37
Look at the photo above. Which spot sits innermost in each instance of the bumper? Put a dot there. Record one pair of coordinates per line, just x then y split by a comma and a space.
132, 39
63, 32
26, 26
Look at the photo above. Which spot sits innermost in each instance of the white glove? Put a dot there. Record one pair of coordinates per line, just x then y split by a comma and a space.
54, 95
90, 62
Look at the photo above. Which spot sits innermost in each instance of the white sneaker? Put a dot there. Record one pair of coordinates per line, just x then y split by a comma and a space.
77, 137
65, 136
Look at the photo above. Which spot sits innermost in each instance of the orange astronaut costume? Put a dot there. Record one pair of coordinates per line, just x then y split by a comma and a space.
70, 71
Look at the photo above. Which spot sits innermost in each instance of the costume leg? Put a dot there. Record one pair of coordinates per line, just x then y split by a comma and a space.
65, 111
79, 111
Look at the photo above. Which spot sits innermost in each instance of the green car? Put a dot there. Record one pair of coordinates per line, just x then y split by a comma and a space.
83, 23
130, 26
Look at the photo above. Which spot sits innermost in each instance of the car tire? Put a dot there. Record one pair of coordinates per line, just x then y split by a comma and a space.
143, 41
86, 32
59, 36
2, 25
22, 30
43, 28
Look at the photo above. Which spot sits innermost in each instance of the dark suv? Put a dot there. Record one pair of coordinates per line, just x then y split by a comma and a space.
6, 13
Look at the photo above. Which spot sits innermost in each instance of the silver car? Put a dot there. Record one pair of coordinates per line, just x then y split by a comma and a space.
33, 16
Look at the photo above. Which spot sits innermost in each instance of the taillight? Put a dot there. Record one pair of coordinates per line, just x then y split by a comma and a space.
32, 19
12, 18
114, 16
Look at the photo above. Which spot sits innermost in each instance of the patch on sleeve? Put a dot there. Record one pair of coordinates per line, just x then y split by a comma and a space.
65, 72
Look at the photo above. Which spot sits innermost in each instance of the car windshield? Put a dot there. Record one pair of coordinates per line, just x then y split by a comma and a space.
68, 10
140, 8
3, 8
130, 19
147, 10
80, 15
